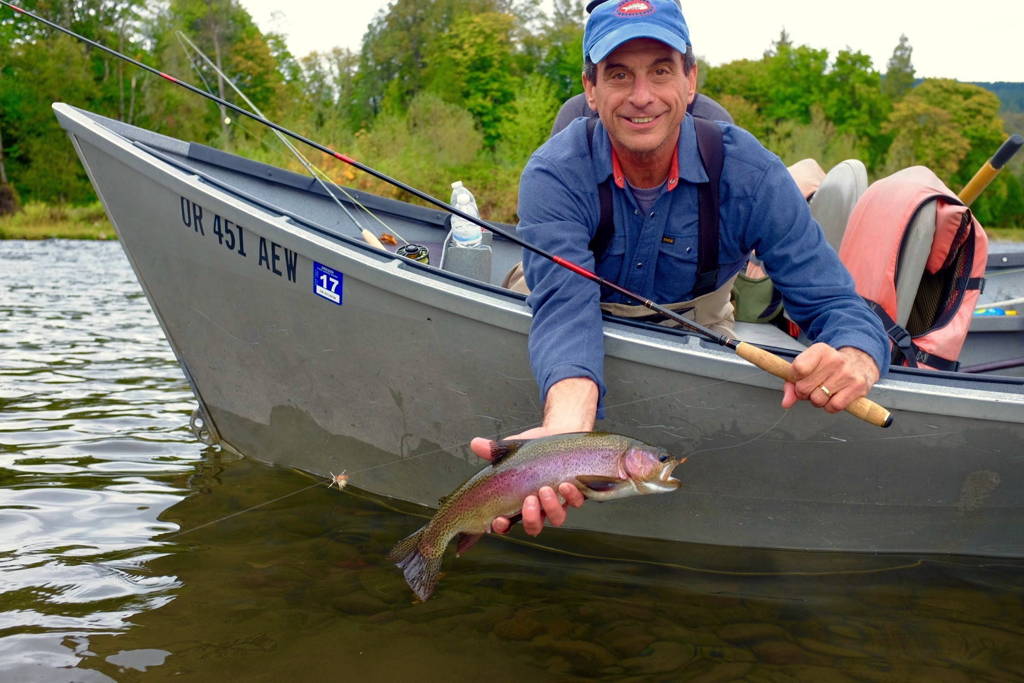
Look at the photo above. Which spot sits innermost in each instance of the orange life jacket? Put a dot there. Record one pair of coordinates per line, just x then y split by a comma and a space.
873, 246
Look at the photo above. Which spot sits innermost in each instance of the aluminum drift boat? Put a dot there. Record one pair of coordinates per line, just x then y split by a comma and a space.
307, 348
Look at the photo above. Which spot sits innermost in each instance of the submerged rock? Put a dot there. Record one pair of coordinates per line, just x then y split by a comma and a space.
662, 657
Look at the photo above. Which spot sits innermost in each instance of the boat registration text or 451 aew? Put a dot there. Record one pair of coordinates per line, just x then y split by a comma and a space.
275, 258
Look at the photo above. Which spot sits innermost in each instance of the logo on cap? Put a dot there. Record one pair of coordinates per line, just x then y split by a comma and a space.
634, 8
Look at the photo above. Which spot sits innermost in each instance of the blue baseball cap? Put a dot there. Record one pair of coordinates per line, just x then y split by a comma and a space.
615, 22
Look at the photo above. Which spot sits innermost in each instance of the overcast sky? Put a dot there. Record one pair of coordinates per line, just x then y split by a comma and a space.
979, 40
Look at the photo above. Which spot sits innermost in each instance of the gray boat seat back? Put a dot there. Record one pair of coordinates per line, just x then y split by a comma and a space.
833, 202
917, 245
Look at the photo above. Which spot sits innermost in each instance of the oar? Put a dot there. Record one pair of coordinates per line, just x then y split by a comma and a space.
990, 169
864, 408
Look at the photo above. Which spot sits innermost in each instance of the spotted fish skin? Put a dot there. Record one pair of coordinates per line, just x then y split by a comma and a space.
602, 466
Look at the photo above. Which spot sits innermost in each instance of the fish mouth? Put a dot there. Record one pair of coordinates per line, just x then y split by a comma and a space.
666, 471
665, 480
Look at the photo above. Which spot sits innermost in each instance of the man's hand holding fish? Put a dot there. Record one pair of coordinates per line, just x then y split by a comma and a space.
570, 407
545, 504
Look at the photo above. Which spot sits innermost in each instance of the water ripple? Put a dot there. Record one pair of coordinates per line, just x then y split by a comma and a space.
94, 449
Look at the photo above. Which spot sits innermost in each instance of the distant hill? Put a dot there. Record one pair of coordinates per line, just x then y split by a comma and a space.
1011, 95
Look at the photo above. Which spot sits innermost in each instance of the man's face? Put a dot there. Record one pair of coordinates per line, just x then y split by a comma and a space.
641, 94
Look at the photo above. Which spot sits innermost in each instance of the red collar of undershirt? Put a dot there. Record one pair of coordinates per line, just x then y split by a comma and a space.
673, 172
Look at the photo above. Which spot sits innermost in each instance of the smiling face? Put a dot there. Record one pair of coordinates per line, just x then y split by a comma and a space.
641, 93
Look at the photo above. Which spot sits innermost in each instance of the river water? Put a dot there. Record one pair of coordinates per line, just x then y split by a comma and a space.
130, 551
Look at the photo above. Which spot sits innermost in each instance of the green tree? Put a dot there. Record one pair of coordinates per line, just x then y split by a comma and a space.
783, 85
947, 125
527, 122
899, 74
39, 66
555, 51
395, 47
797, 81
327, 85
1002, 202
819, 139
855, 105
470, 65
225, 32
741, 86
42, 162
8, 201
429, 145
924, 134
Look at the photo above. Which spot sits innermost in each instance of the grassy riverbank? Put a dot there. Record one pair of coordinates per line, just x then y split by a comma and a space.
1006, 234
40, 221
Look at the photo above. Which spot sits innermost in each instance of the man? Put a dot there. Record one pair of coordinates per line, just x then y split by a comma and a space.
640, 75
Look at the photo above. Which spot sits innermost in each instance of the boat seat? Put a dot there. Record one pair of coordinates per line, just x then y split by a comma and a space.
833, 202
917, 245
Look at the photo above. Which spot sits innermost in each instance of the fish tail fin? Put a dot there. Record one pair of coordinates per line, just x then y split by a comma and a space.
420, 571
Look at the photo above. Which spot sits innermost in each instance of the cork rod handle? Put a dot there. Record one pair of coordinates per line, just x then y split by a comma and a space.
863, 407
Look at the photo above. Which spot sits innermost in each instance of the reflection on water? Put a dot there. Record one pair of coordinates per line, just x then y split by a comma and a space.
113, 570
92, 451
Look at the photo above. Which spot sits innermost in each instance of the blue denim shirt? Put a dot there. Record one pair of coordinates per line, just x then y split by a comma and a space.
655, 254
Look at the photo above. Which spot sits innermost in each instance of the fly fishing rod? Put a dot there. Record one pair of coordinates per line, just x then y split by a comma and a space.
863, 408
317, 174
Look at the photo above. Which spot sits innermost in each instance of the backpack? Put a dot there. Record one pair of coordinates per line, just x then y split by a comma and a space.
917, 255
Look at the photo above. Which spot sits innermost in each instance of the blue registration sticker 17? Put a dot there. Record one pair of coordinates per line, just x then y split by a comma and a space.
328, 283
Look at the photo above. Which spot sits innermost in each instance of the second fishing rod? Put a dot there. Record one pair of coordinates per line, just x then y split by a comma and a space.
863, 408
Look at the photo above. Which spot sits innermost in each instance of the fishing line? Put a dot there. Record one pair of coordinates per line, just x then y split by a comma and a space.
531, 425
653, 563
240, 512
743, 443
177, 534
704, 570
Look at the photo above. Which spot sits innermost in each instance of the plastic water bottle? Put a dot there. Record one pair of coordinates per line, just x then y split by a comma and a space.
464, 233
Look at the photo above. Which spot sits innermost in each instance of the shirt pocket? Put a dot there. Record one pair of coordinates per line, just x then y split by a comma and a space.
676, 270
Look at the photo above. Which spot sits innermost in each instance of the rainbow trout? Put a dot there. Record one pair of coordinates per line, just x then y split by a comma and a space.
602, 466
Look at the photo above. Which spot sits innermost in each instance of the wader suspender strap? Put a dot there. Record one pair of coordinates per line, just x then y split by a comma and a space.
606, 225
709, 145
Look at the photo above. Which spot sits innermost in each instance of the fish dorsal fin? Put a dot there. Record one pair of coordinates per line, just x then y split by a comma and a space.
502, 449
598, 482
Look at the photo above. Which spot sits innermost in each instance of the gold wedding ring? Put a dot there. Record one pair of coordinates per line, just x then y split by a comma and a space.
825, 390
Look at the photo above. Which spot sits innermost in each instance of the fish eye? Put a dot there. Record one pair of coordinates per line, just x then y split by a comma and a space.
662, 458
